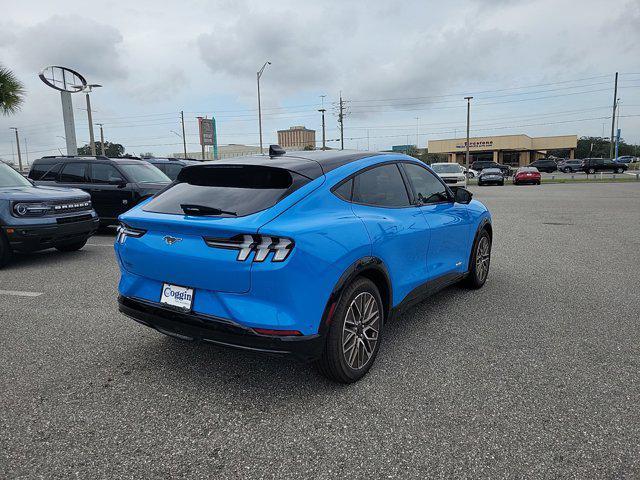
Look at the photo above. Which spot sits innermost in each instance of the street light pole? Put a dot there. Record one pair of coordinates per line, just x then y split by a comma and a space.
258, 75
101, 139
324, 138
18, 147
468, 99
88, 89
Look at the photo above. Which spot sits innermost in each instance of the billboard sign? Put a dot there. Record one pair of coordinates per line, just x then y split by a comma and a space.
207, 129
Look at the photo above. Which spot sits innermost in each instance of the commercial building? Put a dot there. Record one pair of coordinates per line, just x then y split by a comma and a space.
514, 150
297, 138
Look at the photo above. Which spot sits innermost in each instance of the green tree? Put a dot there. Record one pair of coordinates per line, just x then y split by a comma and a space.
11, 92
112, 150
600, 147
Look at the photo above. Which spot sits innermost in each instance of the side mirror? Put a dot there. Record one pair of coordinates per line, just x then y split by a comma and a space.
461, 195
118, 183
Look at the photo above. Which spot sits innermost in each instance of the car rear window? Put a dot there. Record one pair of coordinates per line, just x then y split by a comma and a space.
235, 190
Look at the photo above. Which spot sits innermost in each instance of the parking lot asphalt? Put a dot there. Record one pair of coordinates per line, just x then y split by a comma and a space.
537, 375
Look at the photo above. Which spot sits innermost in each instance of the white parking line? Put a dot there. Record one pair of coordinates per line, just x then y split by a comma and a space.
18, 293
99, 245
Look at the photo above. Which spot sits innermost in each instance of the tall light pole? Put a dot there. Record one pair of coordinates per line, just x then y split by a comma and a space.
322, 110
417, 128
92, 142
18, 146
617, 128
468, 99
258, 75
101, 138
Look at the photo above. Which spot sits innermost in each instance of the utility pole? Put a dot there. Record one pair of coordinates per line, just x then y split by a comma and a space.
101, 139
341, 122
92, 142
184, 138
322, 110
258, 75
324, 138
468, 99
613, 114
18, 147
417, 127
617, 129
26, 152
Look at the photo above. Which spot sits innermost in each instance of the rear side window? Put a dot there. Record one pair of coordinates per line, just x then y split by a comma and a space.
381, 186
226, 190
74, 173
344, 190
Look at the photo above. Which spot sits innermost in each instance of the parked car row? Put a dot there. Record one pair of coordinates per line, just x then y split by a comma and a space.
65, 199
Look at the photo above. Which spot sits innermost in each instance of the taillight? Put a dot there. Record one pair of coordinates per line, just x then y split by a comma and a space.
125, 231
261, 245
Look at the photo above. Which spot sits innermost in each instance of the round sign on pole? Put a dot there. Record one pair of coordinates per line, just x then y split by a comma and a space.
63, 79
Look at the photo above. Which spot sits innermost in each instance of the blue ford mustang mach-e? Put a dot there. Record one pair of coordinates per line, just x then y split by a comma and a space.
306, 253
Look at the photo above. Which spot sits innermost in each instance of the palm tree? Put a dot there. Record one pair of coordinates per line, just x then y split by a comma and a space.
11, 92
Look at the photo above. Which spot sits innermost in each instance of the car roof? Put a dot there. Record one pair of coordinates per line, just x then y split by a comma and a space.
311, 164
188, 161
87, 158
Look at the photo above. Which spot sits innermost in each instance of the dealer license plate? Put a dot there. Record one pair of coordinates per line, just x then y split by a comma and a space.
176, 296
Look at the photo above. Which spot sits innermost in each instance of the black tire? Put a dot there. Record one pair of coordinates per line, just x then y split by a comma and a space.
477, 277
615, 170
71, 247
5, 250
502, 183
538, 183
335, 363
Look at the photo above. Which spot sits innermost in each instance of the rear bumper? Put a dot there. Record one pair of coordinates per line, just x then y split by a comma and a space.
28, 238
219, 331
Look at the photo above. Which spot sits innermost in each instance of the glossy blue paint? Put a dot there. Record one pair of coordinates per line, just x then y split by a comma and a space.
415, 244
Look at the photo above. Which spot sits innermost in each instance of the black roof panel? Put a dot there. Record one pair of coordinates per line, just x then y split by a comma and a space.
311, 164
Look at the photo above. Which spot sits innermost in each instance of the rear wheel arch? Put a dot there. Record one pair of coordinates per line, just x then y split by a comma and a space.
371, 268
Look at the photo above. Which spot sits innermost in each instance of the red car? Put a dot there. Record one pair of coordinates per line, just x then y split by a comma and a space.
527, 175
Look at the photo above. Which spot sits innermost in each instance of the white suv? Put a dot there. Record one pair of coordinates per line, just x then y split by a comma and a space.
452, 174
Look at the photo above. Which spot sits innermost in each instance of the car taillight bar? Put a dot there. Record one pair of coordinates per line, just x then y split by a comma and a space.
261, 245
125, 231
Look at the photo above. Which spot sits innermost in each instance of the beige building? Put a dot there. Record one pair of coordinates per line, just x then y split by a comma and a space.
297, 138
514, 150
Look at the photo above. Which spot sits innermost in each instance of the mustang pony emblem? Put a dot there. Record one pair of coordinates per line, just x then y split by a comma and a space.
169, 240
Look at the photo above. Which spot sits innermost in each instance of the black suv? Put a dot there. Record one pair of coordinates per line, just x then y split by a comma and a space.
34, 218
480, 165
115, 184
171, 166
544, 165
593, 165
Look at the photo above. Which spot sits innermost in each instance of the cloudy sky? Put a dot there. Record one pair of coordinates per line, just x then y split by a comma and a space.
535, 67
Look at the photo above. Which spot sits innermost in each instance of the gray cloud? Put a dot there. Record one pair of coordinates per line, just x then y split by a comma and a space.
90, 47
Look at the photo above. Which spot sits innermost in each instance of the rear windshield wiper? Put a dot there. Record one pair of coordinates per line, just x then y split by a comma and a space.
191, 209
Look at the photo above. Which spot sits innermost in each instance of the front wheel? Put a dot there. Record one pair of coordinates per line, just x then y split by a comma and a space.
479, 261
71, 247
354, 337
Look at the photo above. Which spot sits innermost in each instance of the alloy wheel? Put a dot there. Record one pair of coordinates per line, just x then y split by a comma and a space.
360, 330
483, 254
